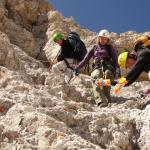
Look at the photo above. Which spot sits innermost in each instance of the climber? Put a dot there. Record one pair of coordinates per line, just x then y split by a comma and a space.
137, 62
67, 57
104, 66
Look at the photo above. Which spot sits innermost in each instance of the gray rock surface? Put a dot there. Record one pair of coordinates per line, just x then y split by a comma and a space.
38, 111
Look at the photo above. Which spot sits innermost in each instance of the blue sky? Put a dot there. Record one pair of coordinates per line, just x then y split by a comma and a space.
115, 15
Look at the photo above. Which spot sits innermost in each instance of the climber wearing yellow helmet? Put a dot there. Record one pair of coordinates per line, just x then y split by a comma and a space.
126, 60
137, 62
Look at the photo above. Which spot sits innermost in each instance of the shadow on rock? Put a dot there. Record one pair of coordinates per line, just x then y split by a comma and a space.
131, 103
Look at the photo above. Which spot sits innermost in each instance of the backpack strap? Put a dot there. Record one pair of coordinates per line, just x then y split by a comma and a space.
110, 51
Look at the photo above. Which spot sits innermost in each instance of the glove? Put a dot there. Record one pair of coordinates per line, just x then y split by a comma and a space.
121, 83
76, 72
117, 88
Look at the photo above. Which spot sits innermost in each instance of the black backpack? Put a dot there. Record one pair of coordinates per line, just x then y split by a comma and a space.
78, 46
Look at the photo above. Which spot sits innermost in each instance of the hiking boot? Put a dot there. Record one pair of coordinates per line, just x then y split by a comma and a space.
142, 94
102, 104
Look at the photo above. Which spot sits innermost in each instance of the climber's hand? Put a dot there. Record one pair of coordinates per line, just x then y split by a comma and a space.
76, 72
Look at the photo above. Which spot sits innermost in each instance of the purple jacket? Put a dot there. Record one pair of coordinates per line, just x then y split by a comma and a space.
101, 52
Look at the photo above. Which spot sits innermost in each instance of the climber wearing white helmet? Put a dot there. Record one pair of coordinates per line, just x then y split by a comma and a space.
104, 66
104, 33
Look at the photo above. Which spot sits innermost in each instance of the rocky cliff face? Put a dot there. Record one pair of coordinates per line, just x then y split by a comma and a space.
25, 23
38, 111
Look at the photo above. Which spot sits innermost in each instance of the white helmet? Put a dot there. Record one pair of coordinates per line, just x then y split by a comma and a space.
104, 33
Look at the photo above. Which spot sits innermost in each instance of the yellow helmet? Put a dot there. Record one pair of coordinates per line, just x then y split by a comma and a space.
122, 59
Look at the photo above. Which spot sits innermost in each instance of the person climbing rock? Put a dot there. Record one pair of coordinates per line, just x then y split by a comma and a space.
104, 66
137, 62
72, 51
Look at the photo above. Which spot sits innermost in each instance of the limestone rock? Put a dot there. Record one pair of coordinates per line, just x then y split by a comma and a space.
38, 110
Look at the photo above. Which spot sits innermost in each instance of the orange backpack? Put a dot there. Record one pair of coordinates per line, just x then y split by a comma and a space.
142, 43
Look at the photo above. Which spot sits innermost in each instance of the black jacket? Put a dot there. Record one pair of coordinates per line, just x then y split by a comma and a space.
142, 64
66, 51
